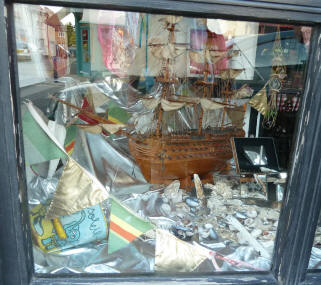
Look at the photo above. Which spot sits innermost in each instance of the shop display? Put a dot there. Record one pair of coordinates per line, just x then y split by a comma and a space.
131, 170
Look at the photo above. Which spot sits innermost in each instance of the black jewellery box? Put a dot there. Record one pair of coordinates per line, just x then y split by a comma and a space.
255, 155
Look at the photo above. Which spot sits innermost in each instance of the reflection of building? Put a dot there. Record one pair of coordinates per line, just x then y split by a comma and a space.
41, 44
60, 55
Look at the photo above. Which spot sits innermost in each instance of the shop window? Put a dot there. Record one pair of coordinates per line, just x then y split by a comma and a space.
140, 159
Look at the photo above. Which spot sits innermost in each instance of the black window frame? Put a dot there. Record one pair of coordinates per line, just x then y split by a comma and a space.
302, 203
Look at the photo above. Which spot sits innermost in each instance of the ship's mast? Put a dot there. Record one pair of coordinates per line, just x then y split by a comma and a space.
205, 78
166, 78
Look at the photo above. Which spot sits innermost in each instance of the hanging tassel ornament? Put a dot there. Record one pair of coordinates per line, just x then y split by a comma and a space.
278, 74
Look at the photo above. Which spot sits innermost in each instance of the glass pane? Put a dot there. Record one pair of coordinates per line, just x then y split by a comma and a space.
155, 143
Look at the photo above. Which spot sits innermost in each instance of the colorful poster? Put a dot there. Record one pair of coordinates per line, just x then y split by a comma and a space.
69, 231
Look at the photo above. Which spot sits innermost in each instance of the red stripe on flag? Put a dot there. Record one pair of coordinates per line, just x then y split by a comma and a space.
117, 229
70, 146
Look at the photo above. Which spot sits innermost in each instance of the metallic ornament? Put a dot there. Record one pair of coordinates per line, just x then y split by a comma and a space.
77, 189
259, 102
175, 255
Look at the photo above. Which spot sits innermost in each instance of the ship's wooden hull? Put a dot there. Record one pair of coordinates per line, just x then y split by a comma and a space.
167, 158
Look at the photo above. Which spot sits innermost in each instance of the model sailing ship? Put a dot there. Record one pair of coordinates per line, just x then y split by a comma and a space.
164, 155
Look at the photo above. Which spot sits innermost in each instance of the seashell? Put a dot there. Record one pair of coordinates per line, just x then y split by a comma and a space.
234, 202
209, 186
173, 193
251, 213
232, 228
273, 215
270, 214
204, 234
166, 209
192, 202
214, 246
213, 234
182, 207
268, 236
208, 226
221, 224
165, 200
248, 222
182, 228
199, 189
241, 239
240, 215
180, 215
244, 190
181, 233
193, 210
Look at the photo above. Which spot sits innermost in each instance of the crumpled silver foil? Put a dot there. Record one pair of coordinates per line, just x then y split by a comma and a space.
138, 256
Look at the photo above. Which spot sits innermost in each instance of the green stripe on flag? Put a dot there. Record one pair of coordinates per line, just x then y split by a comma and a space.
39, 142
117, 242
71, 133
125, 227
117, 114
119, 211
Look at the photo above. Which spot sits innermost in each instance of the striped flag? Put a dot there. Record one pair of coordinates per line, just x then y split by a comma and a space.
40, 145
70, 139
116, 114
124, 227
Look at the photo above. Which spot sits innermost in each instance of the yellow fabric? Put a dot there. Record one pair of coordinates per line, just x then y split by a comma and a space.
171, 106
167, 51
175, 255
230, 73
97, 129
208, 105
151, 104
207, 56
77, 189
259, 101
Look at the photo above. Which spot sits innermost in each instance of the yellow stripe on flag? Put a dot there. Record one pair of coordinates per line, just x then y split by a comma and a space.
125, 226
114, 120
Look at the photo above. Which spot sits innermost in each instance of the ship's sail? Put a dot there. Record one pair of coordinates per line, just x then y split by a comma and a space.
99, 128
230, 73
236, 116
244, 92
166, 51
207, 56
171, 105
208, 105
171, 19
211, 56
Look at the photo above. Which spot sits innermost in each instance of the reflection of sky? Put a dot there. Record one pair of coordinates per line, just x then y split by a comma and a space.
65, 20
